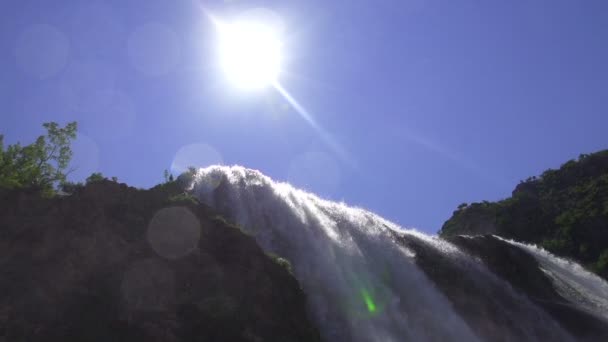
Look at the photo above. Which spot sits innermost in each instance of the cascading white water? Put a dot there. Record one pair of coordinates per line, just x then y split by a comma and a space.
356, 278
572, 281
361, 285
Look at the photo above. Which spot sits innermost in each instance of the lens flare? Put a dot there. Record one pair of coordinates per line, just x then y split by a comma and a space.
369, 301
250, 54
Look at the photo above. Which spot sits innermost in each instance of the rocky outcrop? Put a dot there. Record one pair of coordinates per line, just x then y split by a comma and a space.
499, 291
113, 263
523, 273
565, 211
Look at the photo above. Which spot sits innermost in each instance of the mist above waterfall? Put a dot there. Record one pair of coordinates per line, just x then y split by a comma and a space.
366, 278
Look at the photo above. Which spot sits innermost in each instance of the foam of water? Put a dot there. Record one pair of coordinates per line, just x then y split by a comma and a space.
356, 278
572, 281
361, 285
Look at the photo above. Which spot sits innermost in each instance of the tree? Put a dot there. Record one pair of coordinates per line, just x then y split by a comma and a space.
95, 177
40, 165
186, 179
168, 176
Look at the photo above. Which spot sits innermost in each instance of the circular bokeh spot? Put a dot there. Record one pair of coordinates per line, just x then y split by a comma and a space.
42, 51
174, 232
195, 155
154, 49
148, 285
89, 76
98, 28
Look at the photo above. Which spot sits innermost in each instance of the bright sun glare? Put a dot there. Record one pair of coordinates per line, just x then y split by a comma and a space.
250, 53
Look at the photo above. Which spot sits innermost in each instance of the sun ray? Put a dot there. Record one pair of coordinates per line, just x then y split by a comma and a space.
325, 136
251, 57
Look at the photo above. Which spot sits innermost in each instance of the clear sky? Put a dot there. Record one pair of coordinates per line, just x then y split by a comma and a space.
419, 105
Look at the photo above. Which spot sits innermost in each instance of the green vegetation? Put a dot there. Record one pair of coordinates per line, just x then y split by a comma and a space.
281, 262
99, 177
69, 188
565, 211
96, 177
183, 198
186, 178
175, 190
168, 176
41, 165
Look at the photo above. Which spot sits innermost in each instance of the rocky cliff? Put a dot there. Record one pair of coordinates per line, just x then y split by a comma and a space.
565, 211
113, 263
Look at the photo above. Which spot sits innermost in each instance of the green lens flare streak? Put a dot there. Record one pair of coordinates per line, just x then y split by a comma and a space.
369, 301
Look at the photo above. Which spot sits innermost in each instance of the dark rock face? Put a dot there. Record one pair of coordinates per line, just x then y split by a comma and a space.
496, 298
523, 273
492, 311
112, 263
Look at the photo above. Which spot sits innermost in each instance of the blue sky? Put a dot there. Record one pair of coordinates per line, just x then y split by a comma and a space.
432, 103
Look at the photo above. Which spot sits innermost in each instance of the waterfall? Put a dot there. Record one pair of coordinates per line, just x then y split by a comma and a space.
362, 274
572, 281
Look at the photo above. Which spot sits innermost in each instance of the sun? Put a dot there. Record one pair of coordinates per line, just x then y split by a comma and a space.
249, 53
